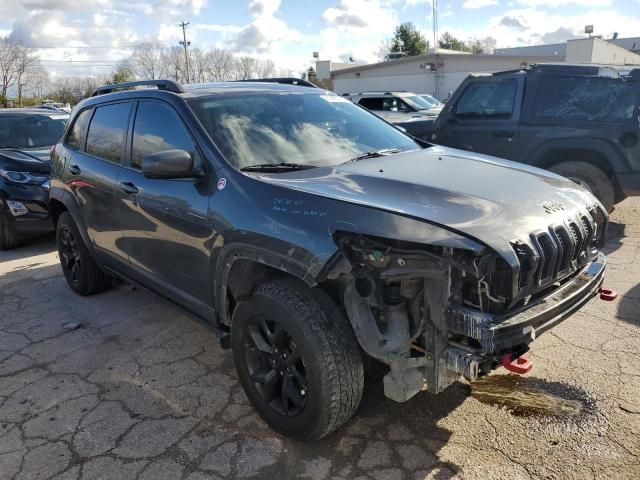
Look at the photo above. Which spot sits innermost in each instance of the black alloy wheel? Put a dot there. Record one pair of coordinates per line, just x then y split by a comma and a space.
82, 273
70, 257
275, 366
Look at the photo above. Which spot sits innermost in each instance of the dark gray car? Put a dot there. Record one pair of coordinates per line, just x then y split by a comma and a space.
26, 134
580, 121
311, 234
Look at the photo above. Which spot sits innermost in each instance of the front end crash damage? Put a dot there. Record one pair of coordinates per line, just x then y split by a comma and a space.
433, 313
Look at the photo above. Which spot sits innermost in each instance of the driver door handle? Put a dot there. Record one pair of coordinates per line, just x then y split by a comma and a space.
128, 188
75, 170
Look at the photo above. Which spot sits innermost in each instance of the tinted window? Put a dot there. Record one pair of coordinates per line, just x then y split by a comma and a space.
157, 128
586, 98
371, 103
312, 127
107, 132
488, 99
31, 131
76, 132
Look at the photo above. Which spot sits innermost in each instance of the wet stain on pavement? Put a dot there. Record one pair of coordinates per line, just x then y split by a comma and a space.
532, 397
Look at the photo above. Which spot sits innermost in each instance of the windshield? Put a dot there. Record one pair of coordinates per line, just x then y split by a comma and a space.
306, 128
430, 100
417, 102
30, 131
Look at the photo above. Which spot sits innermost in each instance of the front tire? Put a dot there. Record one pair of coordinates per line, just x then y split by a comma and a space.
596, 180
297, 359
80, 270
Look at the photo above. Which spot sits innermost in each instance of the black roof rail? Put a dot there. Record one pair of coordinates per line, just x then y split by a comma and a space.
284, 80
168, 85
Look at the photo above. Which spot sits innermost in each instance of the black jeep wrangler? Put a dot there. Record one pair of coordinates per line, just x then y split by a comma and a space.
311, 233
579, 121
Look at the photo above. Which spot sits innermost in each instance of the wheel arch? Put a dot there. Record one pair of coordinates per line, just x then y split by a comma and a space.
597, 152
240, 268
62, 201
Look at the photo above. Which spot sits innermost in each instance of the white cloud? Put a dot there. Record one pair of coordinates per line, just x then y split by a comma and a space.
530, 26
564, 3
374, 15
472, 4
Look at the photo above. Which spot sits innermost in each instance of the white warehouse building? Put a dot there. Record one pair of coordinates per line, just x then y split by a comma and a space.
441, 72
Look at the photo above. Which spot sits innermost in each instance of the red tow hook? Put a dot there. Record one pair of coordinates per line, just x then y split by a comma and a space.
607, 295
520, 365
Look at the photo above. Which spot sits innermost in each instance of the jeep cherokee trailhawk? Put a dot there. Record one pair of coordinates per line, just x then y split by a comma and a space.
313, 234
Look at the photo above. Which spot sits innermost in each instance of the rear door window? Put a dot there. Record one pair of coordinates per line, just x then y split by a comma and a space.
107, 132
488, 99
586, 98
157, 128
372, 103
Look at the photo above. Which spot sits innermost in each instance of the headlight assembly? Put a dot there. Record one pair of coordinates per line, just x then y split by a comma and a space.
23, 177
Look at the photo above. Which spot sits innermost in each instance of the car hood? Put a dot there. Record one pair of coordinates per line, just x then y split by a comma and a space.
32, 161
488, 199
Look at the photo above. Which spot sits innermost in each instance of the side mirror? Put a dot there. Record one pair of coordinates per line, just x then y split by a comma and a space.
168, 164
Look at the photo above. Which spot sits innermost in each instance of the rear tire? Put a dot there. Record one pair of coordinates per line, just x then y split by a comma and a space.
8, 237
594, 178
80, 270
297, 359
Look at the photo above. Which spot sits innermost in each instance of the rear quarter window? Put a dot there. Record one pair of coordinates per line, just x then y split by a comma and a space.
106, 137
586, 98
76, 132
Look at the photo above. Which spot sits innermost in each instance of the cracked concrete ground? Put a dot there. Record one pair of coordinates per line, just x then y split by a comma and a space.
141, 390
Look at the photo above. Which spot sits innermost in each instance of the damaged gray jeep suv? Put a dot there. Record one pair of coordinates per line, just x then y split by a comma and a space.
312, 235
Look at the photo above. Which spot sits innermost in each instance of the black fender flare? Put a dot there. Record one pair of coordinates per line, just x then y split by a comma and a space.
232, 252
613, 155
70, 203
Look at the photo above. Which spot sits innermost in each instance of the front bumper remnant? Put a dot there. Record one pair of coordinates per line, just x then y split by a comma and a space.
497, 337
499, 334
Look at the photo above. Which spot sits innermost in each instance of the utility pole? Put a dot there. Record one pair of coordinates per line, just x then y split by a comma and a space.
185, 44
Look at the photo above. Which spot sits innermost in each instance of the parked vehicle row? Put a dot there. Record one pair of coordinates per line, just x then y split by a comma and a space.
312, 234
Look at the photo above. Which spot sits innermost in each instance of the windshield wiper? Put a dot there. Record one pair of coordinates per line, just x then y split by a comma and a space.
376, 153
276, 167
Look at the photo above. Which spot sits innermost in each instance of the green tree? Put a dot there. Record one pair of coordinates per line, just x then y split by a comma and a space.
407, 42
121, 75
450, 42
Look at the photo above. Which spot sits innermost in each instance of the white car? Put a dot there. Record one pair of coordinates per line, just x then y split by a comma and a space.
62, 107
396, 107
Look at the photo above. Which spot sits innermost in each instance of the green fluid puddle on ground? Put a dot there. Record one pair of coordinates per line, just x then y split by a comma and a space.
527, 396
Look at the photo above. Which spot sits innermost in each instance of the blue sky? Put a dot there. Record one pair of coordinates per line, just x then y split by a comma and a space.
101, 32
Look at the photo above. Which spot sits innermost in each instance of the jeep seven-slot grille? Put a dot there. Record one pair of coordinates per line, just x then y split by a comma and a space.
559, 250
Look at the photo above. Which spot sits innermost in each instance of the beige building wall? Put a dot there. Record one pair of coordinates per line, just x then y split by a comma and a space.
594, 50
416, 74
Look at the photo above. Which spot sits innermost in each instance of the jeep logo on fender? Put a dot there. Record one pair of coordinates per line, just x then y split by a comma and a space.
551, 207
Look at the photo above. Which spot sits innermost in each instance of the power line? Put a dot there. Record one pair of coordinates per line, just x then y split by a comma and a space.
62, 60
121, 47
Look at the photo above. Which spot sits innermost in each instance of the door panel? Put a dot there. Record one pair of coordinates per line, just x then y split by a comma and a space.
485, 117
165, 231
93, 176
